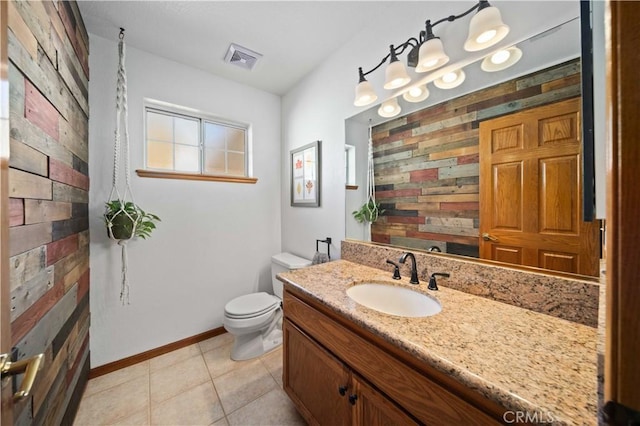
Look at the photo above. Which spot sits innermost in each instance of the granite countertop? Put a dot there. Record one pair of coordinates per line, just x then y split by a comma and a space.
523, 360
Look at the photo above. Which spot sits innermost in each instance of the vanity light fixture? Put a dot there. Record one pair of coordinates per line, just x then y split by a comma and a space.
389, 108
501, 60
450, 80
426, 52
416, 94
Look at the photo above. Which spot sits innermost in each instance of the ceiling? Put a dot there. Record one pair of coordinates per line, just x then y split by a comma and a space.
293, 36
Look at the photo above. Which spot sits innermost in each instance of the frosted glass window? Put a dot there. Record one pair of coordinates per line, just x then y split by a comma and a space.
181, 142
160, 155
214, 161
187, 158
187, 131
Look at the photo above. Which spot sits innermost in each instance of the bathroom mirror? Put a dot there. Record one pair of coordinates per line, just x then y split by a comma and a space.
555, 45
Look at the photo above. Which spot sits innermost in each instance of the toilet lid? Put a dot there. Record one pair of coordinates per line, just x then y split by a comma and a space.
251, 305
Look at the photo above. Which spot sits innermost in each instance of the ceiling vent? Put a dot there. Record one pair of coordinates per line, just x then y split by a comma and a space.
241, 56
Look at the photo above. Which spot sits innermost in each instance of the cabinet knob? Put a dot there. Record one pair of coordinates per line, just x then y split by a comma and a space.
342, 390
353, 399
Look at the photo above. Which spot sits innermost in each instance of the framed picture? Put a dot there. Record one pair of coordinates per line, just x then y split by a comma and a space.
305, 175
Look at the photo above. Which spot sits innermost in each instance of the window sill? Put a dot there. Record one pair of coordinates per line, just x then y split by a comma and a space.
194, 176
352, 187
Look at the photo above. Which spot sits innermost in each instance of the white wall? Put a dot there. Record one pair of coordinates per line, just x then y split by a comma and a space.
318, 106
215, 239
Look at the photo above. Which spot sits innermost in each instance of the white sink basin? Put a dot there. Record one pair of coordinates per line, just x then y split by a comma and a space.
394, 300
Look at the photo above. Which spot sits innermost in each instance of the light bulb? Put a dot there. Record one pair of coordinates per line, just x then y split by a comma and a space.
500, 57
449, 77
415, 91
486, 36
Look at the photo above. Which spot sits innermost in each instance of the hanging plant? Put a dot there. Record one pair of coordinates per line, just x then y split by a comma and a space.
369, 212
127, 221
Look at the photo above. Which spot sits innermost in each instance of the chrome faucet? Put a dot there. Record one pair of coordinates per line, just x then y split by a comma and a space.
414, 269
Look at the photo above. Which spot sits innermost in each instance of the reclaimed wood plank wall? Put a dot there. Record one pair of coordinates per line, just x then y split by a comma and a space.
49, 184
427, 163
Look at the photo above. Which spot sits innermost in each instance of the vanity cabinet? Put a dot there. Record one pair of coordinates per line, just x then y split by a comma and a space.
338, 373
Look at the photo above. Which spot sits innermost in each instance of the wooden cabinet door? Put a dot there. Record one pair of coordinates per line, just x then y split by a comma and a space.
313, 379
373, 408
531, 191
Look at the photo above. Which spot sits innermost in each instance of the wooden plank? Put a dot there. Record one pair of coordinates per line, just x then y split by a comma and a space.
39, 110
453, 136
452, 189
61, 248
75, 274
450, 230
27, 237
400, 178
64, 228
26, 266
24, 131
16, 211
44, 330
459, 239
25, 322
22, 31
37, 211
30, 160
393, 157
37, 22
81, 30
452, 198
542, 99
459, 171
570, 80
66, 193
72, 72
73, 141
30, 291
83, 238
83, 284
28, 185
451, 122
44, 76
456, 222
555, 73
428, 164
67, 264
60, 172
457, 152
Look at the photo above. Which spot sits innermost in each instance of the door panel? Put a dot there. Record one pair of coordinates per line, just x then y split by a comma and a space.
530, 191
507, 196
559, 200
316, 380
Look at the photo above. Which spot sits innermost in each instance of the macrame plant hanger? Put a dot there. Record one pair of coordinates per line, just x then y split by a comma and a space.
371, 205
121, 154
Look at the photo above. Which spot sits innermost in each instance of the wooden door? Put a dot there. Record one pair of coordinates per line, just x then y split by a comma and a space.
622, 370
373, 408
6, 414
317, 382
531, 191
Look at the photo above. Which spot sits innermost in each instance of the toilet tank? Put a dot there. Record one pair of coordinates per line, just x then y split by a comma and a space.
283, 262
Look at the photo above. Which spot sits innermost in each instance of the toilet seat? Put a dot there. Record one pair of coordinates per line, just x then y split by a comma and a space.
251, 306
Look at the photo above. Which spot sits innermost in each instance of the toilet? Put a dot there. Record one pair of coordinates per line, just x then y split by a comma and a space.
255, 320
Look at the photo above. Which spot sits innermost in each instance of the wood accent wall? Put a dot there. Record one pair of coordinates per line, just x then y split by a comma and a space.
427, 163
48, 186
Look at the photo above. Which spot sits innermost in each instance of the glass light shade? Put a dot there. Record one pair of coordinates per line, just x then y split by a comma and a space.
502, 59
416, 94
389, 108
431, 55
365, 94
485, 29
450, 80
396, 76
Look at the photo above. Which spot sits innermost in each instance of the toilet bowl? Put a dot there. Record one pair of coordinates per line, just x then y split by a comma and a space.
255, 320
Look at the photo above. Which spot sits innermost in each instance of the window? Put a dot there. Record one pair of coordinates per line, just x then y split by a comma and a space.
181, 143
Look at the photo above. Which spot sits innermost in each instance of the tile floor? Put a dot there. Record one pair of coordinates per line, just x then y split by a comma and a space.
195, 385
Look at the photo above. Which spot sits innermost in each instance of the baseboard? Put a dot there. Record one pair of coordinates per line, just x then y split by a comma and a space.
152, 353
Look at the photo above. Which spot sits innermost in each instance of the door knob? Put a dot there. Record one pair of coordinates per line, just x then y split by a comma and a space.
28, 366
489, 237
